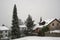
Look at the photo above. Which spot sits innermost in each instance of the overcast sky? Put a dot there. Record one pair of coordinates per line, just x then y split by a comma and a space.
36, 8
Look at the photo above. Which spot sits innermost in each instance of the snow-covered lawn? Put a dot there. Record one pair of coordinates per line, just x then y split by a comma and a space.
38, 38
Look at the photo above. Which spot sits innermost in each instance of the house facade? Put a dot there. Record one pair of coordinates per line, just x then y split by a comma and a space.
4, 33
23, 28
54, 25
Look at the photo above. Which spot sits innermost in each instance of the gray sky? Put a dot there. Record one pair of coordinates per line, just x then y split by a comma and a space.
36, 8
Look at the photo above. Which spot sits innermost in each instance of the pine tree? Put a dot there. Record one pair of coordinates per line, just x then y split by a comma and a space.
15, 32
29, 22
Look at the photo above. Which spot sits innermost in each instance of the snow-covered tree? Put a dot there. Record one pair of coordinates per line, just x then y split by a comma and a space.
30, 24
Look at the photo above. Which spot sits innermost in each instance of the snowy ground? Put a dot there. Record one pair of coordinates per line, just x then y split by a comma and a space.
38, 38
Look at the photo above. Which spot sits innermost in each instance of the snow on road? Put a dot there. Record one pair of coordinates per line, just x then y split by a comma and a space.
38, 38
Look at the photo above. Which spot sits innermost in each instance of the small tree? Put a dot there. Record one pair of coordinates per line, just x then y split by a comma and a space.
15, 30
45, 29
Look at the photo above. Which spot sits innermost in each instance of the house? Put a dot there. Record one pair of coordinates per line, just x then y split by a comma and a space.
4, 33
37, 29
53, 24
23, 29
54, 27
37, 32
37, 26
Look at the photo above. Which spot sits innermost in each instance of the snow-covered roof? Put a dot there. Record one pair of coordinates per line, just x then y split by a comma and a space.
38, 26
41, 26
4, 28
55, 31
35, 22
49, 21
22, 25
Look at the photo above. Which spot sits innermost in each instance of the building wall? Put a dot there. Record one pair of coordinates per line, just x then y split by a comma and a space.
4, 34
55, 25
1, 34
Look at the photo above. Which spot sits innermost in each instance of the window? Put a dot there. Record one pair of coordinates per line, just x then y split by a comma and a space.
6, 35
1, 32
1, 36
57, 24
53, 24
6, 31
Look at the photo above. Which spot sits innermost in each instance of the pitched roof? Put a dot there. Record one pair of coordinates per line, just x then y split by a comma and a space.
22, 25
4, 28
37, 26
50, 21
47, 23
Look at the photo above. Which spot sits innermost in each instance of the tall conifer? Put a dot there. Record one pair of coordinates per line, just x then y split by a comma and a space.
15, 32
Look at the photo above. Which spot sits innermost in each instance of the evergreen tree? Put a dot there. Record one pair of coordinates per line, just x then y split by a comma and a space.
29, 22
15, 30
45, 28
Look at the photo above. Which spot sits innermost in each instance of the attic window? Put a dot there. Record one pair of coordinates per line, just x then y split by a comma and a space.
57, 24
53, 24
